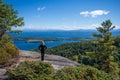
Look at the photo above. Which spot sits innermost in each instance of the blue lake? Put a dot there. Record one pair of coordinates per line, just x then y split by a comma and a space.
31, 46
53, 34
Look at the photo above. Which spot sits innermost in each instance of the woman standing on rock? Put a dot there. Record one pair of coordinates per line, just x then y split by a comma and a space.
42, 48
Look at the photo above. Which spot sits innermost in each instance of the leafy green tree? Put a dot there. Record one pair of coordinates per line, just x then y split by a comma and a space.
8, 19
103, 55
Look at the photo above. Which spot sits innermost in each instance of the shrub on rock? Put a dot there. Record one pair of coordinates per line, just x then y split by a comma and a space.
32, 71
4, 56
82, 73
7, 50
11, 49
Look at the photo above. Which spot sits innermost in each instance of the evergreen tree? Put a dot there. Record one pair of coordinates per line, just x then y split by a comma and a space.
103, 56
8, 19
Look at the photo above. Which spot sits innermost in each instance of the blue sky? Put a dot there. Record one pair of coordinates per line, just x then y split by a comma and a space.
66, 14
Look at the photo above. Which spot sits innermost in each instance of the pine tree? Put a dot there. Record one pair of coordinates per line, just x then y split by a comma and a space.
8, 19
103, 56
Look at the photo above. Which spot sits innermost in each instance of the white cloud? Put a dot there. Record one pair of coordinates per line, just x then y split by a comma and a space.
94, 13
98, 13
41, 8
85, 13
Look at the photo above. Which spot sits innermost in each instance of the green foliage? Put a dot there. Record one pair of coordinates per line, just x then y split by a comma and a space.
11, 49
91, 54
32, 71
44, 71
103, 56
117, 41
103, 53
7, 50
75, 58
5, 39
4, 56
82, 73
8, 19
71, 49
117, 53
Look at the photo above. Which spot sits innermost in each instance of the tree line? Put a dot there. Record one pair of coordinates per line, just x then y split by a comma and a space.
102, 53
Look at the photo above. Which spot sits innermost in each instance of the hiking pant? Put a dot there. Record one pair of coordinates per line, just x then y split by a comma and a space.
42, 56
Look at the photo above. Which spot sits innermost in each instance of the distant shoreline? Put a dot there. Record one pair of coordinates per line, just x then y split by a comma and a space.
29, 40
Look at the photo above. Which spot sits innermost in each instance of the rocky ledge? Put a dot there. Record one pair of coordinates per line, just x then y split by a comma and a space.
57, 62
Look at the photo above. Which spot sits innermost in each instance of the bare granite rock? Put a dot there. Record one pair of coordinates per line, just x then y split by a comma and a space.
3, 74
57, 62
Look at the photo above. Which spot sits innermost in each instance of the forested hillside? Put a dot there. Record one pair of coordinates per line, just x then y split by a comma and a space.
102, 53
79, 49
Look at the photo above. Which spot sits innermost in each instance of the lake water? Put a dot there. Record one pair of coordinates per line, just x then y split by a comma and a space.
21, 44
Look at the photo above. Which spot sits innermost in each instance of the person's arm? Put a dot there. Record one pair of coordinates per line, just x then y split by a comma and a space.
39, 47
45, 47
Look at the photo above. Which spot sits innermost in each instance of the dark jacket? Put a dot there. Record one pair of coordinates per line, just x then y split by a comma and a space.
42, 48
